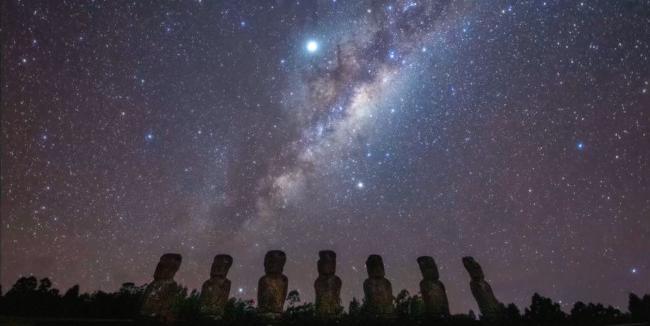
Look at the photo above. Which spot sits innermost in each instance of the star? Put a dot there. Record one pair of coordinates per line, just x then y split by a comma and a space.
312, 46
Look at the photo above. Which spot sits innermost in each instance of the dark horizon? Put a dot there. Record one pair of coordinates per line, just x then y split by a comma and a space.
514, 132
565, 307
307, 295
36, 302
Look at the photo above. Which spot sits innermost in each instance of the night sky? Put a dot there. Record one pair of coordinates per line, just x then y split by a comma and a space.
517, 132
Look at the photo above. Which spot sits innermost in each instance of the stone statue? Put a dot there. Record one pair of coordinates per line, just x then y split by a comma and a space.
215, 291
327, 286
488, 304
377, 289
433, 291
161, 294
272, 287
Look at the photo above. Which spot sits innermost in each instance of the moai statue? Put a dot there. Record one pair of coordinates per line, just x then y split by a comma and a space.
272, 287
327, 286
377, 289
488, 304
215, 291
161, 294
433, 291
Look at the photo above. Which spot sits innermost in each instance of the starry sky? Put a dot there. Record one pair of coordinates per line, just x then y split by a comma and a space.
517, 132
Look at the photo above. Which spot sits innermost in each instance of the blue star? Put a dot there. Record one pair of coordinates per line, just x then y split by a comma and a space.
580, 146
312, 46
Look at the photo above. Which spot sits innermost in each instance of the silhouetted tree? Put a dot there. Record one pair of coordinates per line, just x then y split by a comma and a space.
639, 307
544, 310
31, 297
409, 307
402, 301
47, 299
354, 309
28, 298
238, 311
594, 314
187, 306
416, 307
293, 298
71, 304
128, 300
300, 314
72, 293
512, 314
24, 285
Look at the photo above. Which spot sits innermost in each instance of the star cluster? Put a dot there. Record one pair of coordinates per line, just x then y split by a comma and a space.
517, 132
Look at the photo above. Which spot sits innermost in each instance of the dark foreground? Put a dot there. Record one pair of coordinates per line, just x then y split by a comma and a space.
36, 302
25, 321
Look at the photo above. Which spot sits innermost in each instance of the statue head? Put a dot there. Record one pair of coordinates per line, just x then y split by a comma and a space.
375, 266
473, 268
220, 265
167, 267
428, 268
326, 262
274, 261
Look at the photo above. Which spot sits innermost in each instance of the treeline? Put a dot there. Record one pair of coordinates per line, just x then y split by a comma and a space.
30, 297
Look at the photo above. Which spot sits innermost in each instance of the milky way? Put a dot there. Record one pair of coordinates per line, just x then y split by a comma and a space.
517, 132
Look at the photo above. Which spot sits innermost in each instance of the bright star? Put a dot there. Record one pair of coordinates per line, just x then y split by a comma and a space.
360, 185
580, 145
312, 46
149, 136
634, 270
